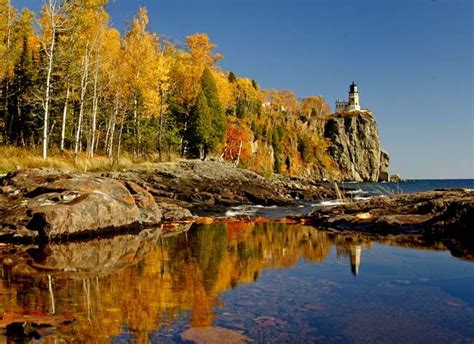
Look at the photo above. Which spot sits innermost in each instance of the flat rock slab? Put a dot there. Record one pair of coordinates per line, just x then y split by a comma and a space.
439, 213
210, 335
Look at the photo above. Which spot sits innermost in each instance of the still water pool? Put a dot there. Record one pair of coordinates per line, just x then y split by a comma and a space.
265, 283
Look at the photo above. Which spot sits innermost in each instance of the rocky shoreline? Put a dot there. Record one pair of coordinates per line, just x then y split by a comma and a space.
78, 226
44, 204
443, 216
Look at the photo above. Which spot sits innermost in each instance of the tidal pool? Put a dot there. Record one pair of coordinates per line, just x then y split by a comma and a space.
265, 283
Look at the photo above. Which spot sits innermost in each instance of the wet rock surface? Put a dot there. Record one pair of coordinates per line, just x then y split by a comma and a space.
210, 335
441, 215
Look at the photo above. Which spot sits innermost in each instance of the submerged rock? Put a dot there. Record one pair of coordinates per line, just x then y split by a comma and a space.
210, 335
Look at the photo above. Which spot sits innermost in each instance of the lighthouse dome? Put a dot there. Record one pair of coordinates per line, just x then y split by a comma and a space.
353, 88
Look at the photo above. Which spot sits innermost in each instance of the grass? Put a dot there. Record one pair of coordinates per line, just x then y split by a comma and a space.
14, 158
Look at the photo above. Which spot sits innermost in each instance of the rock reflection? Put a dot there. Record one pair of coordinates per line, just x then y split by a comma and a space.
147, 281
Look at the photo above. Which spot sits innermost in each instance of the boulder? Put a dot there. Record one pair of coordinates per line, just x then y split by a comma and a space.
395, 178
57, 205
172, 212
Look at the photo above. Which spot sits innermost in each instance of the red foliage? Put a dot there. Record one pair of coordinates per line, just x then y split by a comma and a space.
238, 133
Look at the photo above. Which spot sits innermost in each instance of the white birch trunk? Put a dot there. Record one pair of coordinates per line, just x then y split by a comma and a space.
84, 82
7, 65
50, 54
63, 124
95, 105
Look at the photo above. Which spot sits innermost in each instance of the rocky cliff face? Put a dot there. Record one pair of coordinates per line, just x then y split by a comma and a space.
355, 147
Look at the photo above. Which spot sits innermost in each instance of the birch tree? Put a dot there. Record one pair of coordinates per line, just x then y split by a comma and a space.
145, 73
50, 24
7, 14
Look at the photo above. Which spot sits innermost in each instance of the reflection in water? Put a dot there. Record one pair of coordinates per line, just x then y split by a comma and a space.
140, 284
354, 252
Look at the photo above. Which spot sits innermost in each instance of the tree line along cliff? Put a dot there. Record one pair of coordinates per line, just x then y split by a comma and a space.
72, 82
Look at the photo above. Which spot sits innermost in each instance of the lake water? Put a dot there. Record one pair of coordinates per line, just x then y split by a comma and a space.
411, 185
244, 281
356, 191
265, 282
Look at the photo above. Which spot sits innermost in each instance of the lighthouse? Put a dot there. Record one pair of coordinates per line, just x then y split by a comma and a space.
354, 104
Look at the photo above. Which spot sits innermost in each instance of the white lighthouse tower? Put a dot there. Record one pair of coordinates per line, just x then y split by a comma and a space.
354, 103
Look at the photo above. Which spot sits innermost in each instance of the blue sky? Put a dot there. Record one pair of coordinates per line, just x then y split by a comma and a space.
412, 60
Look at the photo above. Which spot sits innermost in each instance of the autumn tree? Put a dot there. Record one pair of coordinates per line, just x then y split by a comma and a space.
88, 22
148, 75
7, 17
239, 138
50, 23
70, 80
217, 115
186, 74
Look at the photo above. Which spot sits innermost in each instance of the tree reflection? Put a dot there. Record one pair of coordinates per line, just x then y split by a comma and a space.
146, 283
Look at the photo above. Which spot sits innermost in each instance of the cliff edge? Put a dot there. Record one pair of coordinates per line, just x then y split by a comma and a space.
355, 147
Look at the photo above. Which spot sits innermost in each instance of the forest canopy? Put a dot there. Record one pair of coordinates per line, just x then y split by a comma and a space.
70, 82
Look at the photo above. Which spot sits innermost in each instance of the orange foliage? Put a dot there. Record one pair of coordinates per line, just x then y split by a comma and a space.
238, 133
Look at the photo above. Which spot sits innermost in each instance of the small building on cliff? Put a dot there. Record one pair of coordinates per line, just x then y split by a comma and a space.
353, 104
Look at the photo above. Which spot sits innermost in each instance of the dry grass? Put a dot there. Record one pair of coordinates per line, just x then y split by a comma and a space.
14, 158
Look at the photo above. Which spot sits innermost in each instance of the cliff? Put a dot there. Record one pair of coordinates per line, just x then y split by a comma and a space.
355, 148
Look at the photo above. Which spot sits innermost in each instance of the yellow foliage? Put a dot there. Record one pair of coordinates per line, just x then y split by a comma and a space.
225, 89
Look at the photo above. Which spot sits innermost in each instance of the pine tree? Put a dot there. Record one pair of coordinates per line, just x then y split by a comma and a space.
25, 121
199, 128
276, 144
218, 119
232, 78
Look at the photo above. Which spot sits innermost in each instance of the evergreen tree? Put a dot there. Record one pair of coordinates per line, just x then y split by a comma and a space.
276, 150
199, 128
255, 85
217, 114
232, 77
25, 122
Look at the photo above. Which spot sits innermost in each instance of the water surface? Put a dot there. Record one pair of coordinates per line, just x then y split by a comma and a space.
410, 186
268, 282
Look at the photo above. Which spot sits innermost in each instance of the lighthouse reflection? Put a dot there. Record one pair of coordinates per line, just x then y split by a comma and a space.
145, 282
351, 252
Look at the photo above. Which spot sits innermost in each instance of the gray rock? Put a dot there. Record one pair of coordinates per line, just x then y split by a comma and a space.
354, 146
442, 213
384, 175
396, 178
57, 205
